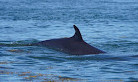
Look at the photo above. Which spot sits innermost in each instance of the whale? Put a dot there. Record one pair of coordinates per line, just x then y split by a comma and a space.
74, 45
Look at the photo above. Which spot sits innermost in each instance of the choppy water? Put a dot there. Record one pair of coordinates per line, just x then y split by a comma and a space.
110, 25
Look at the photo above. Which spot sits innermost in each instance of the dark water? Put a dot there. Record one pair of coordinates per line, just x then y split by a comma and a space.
110, 25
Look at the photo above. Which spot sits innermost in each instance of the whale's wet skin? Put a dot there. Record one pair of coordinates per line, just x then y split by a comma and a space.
72, 45
105, 25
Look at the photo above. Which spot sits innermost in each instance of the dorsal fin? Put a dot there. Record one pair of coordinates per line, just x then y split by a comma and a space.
77, 36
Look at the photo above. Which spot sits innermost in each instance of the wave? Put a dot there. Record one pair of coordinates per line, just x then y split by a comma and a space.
18, 43
120, 43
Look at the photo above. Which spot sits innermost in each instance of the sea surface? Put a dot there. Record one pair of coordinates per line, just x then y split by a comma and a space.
110, 25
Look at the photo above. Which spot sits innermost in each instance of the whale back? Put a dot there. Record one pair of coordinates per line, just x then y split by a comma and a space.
72, 45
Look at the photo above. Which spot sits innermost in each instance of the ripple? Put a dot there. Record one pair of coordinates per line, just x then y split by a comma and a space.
111, 24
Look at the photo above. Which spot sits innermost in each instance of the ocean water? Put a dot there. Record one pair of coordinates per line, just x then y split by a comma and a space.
110, 25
